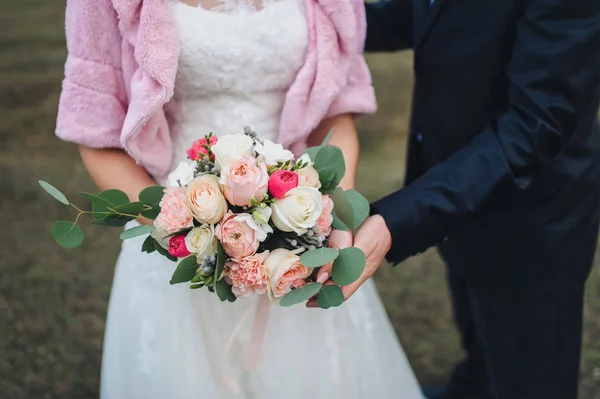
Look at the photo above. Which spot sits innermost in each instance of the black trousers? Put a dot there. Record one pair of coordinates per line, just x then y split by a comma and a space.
517, 279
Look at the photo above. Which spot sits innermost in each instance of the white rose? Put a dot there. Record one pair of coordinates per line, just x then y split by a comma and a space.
161, 235
201, 241
273, 153
182, 175
205, 199
231, 147
298, 211
283, 269
258, 221
308, 175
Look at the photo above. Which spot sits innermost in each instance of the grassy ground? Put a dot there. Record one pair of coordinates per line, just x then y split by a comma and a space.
53, 302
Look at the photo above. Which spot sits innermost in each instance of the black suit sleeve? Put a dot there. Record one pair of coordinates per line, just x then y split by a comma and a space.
389, 25
554, 91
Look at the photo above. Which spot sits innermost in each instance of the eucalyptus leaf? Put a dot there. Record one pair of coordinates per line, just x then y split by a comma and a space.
349, 266
131, 210
360, 206
330, 296
342, 207
137, 231
110, 222
148, 245
221, 259
338, 224
67, 234
54, 192
330, 159
319, 257
95, 199
223, 290
151, 213
328, 137
328, 181
186, 270
151, 195
312, 152
300, 295
114, 197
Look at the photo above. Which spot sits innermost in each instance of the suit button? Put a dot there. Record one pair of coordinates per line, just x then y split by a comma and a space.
419, 137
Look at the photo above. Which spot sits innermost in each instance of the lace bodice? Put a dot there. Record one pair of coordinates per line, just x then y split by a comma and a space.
234, 68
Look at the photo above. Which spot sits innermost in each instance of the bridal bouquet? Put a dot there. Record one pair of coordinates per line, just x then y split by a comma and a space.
242, 217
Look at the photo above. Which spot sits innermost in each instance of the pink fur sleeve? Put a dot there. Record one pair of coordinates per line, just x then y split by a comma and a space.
93, 102
358, 96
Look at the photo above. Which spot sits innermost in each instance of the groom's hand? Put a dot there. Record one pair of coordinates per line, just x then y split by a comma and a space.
375, 240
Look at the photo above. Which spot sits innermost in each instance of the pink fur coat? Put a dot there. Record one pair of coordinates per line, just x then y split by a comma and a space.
122, 62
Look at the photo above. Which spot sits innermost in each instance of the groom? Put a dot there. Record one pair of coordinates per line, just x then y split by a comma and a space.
503, 175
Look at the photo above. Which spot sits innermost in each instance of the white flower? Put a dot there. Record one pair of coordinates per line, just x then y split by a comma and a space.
161, 235
201, 241
308, 175
182, 175
273, 153
231, 147
205, 199
298, 211
258, 221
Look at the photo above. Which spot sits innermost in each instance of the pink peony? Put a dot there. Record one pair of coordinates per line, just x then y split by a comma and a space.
198, 149
323, 226
177, 247
243, 180
175, 214
236, 236
247, 275
281, 182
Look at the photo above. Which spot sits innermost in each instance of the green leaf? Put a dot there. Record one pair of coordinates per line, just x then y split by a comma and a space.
360, 206
342, 207
330, 296
300, 295
152, 195
151, 213
148, 245
330, 159
132, 209
95, 199
231, 297
163, 251
328, 137
223, 290
67, 234
312, 152
338, 224
221, 259
349, 266
328, 181
110, 222
54, 192
137, 231
186, 270
114, 197
319, 257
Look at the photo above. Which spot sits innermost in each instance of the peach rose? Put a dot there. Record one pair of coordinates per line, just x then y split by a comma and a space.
284, 270
308, 175
175, 214
206, 200
247, 276
237, 237
323, 226
243, 180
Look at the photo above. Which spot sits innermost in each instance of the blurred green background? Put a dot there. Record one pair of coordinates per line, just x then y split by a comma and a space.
53, 302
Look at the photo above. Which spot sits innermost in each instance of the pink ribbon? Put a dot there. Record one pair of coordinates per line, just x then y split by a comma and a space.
259, 328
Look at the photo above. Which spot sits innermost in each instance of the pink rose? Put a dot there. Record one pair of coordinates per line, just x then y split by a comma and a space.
243, 180
284, 269
236, 236
323, 226
198, 148
281, 182
175, 214
177, 247
247, 275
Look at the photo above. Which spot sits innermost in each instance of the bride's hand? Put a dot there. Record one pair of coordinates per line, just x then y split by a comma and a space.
337, 239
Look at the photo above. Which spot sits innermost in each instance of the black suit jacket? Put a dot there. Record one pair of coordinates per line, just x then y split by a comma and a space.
504, 111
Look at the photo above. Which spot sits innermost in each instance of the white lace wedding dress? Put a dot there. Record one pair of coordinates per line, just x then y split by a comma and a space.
169, 342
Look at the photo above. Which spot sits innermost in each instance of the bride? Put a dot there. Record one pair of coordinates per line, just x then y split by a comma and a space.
143, 80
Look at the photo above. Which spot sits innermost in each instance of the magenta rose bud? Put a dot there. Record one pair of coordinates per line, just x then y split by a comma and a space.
281, 182
177, 247
198, 149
